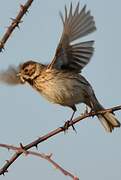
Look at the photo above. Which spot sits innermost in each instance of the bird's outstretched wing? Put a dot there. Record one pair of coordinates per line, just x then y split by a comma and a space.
75, 25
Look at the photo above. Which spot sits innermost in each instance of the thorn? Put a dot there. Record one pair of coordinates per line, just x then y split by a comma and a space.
49, 155
21, 145
15, 21
18, 26
36, 146
23, 8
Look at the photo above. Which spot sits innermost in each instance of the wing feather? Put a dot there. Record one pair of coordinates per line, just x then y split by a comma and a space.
75, 25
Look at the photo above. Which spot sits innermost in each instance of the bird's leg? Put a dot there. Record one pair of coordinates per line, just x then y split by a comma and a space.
66, 125
72, 115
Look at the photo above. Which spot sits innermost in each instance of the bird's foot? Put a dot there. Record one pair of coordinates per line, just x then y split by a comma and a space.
92, 111
67, 125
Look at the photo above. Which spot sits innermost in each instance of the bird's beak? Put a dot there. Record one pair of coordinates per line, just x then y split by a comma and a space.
19, 76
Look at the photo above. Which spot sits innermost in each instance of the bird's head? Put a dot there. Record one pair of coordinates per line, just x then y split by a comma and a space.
29, 70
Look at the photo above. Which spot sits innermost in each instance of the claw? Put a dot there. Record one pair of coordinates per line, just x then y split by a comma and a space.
66, 126
74, 128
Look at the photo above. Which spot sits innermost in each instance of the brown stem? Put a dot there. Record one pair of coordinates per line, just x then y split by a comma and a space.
40, 155
50, 134
15, 23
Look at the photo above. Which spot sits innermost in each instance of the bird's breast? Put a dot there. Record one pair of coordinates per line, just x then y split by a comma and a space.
61, 88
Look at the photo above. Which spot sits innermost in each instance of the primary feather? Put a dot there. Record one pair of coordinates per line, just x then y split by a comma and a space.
77, 55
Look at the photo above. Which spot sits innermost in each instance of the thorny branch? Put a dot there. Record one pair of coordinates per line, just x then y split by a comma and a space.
24, 149
47, 157
15, 23
35, 143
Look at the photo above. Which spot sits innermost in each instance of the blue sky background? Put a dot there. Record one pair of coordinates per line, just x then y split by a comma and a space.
25, 115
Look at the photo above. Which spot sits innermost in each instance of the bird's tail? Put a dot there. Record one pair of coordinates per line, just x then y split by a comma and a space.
108, 119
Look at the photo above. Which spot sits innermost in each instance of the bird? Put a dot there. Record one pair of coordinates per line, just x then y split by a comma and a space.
61, 81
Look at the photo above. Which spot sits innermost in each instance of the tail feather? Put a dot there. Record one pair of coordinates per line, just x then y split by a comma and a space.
105, 123
109, 121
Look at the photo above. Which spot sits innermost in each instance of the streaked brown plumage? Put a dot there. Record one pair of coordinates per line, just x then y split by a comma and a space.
60, 82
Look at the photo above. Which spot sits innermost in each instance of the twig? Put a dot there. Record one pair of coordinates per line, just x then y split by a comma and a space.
35, 143
47, 157
15, 23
